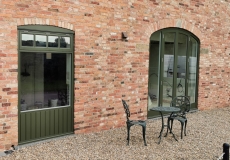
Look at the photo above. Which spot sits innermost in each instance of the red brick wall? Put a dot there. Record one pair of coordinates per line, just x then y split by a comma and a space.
117, 69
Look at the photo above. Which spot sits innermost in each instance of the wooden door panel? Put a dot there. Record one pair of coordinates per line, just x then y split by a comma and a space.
43, 124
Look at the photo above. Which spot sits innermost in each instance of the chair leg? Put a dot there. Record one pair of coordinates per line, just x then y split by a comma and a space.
185, 127
168, 126
171, 126
182, 128
143, 131
128, 130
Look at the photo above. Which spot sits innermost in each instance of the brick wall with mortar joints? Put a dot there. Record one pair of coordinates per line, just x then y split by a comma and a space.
117, 69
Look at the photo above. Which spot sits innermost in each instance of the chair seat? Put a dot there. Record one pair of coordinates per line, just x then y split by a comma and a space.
182, 119
179, 118
137, 122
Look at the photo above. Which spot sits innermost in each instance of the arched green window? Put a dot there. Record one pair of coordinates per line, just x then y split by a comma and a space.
173, 67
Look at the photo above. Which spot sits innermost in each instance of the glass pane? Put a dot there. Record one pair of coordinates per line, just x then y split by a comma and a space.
181, 64
40, 40
64, 42
52, 41
168, 68
192, 70
27, 39
153, 88
45, 80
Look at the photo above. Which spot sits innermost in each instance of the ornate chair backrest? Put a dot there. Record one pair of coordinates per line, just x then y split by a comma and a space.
152, 97
181, 102
126, 107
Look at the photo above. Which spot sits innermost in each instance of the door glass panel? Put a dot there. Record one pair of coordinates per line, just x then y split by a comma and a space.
40, 40
153, 89
181, 64
167, 81
52, 41
64, 42
192, 70
27, 39
45, 80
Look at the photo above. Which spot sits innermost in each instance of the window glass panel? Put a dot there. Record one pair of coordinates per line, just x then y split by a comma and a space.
192, 70
168, 68
181, 64
27, 39
45, 80
40, 40
153, 89
52, 41
64, 42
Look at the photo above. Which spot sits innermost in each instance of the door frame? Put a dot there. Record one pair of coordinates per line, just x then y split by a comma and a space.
177, 31
42, 113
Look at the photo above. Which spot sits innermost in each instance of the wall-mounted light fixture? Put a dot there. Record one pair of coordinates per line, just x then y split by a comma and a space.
124, 36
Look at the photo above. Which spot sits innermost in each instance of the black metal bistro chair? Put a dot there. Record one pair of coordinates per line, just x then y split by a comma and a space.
183, 103
130, 123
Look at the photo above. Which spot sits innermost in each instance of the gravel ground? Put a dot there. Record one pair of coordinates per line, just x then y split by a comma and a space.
206, 133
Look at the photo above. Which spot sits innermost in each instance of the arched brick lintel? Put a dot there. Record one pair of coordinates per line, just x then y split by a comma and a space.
165, 23
42, 21
150, 28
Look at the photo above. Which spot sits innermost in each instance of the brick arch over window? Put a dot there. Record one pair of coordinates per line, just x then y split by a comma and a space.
42, 21
165, 23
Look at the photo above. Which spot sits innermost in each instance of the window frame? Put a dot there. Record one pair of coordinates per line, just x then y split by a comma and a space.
34, 48
45, 30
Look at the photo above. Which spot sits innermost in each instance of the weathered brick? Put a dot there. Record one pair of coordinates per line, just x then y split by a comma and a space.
6, 104
106, 68
22, 5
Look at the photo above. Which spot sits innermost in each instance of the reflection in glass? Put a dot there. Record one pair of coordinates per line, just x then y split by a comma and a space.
153, 88
52, 41
64, 42
47, 82
181, 64
40, 40
27, 39
192, 70
169, 47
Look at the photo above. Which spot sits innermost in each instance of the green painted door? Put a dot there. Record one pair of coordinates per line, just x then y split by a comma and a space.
45, 83
173, 67
43, 124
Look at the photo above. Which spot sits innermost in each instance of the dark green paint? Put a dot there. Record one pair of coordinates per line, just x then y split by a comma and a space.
177, 31
36, 125
45, 28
